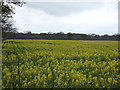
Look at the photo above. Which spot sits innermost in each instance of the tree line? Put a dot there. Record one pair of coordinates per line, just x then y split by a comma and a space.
59, 36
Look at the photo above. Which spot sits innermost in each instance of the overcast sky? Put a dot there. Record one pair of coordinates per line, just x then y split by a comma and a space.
75, 17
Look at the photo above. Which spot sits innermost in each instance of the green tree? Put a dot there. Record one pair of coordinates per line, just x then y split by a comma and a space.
6, 12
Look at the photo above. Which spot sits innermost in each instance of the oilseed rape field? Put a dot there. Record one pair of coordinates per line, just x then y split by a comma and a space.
60, 64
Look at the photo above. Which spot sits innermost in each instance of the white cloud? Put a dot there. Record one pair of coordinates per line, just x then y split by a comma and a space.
100, 21
71, 0
99, 16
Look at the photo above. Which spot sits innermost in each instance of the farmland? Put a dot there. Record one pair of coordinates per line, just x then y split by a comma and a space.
60, 64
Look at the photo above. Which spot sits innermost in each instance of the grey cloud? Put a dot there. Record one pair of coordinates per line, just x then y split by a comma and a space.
38, 23
64, 8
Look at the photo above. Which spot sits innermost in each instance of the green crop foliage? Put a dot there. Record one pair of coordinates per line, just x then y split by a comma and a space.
60, 64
